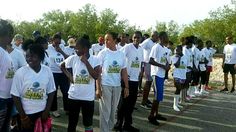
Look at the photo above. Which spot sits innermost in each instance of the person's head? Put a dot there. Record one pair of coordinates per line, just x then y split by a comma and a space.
183, 41
229, 40
188, 42
110, 39
82, 46
35, 55
85, 36
178, 50
127, 38
36, 34
154, 36
199, 43
42, 41
122, 38
208, 43
170, 45
71, 42
101, 40
6, 33
137, 37
145, 36
27, 43
56, 39
18, 39
164, 39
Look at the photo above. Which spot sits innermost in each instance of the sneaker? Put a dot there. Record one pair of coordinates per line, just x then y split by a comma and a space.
149, 102
232, 90
208, 88
160, 117
225, 89
56, 114
153, 120
146, 106
130, 128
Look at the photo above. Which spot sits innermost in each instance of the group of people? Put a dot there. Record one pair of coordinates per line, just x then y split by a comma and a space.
111, 70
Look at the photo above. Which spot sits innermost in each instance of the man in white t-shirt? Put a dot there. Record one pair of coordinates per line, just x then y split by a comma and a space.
81, 94
159, 65
96, 48
70, 49
229, 63
17, 42
147, 46
123, 40
209, 51
134, 56
6, 75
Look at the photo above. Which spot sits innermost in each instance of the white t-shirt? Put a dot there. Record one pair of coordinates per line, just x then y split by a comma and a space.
18, 59
69, 51
202, 67
188, 53
33, 88
134, 57
55, 59
147, 45
230, 54
6, 74
18, 47
160, 55
181, 71
209, 55
119, 47
112, 62
196, 56
169, 54
84, 85
96, 48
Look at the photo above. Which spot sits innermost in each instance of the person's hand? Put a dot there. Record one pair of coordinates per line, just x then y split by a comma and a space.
167, 67
126, 92
58, 49
26, 123
98, 93
45, 116
83, 58
71, 79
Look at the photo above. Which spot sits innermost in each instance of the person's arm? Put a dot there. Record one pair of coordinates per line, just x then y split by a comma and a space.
93, 72
58, 49
46, 111
223, 62
153, 62
124, 76
25, 120
177, 64
67, 73
98, 83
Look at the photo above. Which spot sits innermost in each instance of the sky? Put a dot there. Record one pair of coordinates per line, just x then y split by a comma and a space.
143, 13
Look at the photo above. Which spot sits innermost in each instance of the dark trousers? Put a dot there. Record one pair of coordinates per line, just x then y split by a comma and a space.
61, 81
5, 114
203, 77
126, 105
74, 110
33, 118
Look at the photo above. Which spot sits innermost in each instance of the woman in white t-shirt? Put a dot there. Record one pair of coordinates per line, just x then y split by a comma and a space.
57, 55
33, 89
180, 63
85, 69
113, 70
43, 41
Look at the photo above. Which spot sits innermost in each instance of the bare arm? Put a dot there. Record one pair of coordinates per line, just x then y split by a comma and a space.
177, 64
98, 83
124, 76
153, 62
67, 73
94, 72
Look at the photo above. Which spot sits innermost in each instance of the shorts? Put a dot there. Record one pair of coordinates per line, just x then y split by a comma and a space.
178, 80
229, 68
209, 69
147, 71
158, 88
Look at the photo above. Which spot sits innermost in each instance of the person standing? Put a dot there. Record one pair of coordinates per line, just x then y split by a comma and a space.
113, 70
229, 63
159, 65
96, 48
56, 56
134, 56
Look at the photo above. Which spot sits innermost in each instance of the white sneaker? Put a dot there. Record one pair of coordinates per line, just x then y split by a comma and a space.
175, 105
56, 114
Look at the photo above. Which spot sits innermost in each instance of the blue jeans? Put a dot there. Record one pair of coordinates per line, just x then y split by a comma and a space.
5, 114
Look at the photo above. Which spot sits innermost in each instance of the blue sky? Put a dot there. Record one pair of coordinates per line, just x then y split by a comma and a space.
141, 13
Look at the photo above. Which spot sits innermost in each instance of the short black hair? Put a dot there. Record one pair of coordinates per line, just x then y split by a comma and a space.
38, 50
56, 36
41, 40
138, 32
6, 29
162, 34
113, 35
208, 42
85, 36
84, 43
146, 35
26, 44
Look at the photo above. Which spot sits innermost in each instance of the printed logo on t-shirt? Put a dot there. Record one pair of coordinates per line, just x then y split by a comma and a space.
59, 58
135, 63
10, 72
228, 54
114, 68
164, 58
35, 92
82, 78
202, 59
182, 65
